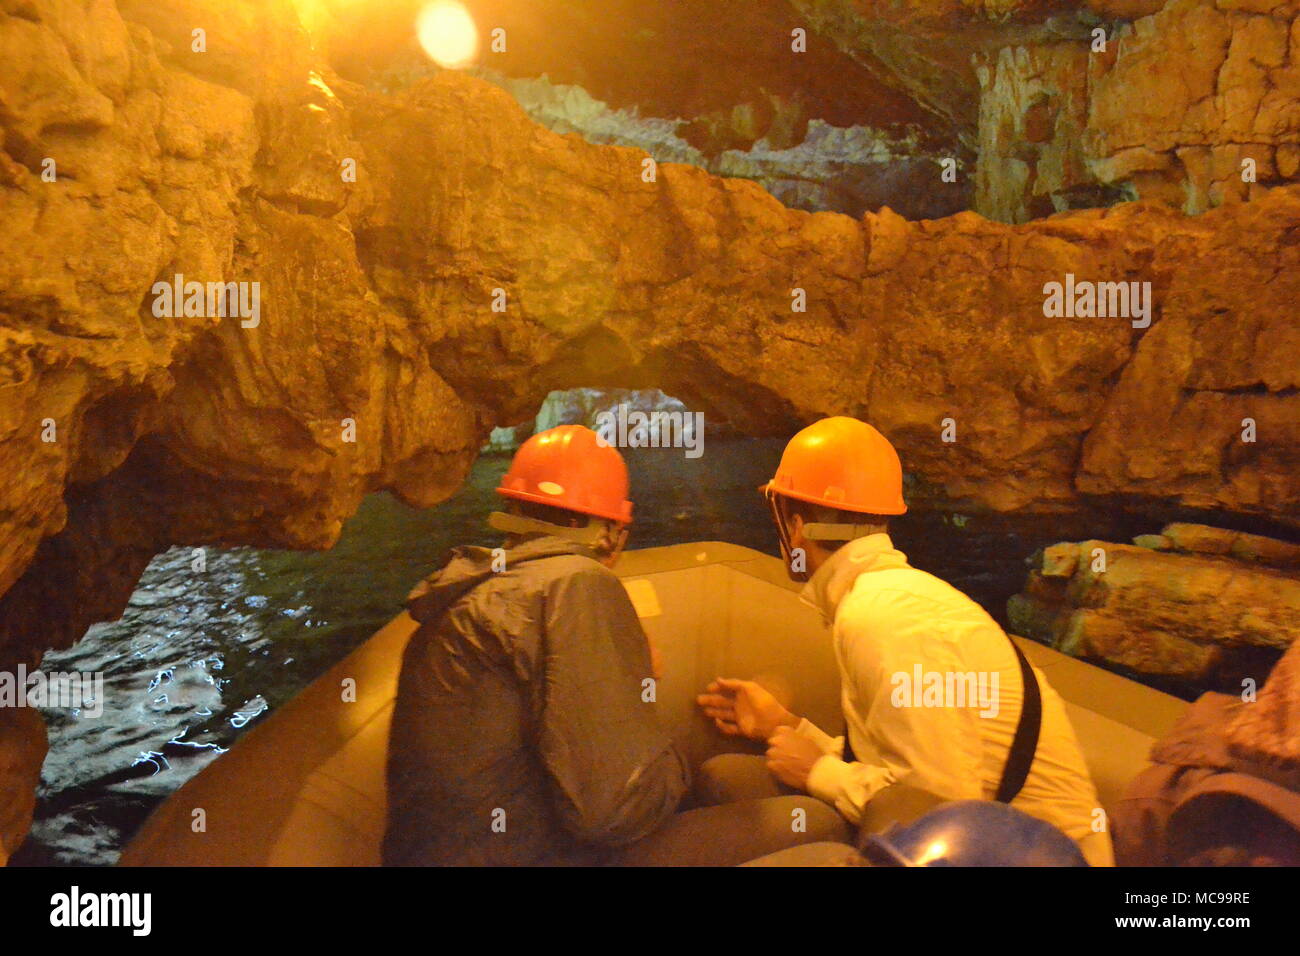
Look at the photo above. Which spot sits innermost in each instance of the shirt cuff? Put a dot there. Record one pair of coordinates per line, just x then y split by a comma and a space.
828, 744
829, 779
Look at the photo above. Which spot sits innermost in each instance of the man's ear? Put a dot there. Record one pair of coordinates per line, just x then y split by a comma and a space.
795, 527
613, 541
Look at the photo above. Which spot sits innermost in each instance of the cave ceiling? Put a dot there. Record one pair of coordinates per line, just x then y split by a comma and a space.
692, 60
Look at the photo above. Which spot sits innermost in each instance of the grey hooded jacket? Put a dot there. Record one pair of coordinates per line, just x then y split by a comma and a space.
520, 734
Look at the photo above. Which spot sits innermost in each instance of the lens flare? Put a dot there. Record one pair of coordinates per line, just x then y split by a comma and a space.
448, 34
935, 851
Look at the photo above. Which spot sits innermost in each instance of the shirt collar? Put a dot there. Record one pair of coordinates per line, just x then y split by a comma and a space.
834, 579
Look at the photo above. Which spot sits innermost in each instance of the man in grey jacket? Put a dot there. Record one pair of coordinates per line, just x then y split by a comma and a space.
525, 729
522, 732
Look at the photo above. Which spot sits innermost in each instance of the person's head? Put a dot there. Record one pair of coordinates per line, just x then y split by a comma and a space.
568, 483
803, 521
839, 479
606, 538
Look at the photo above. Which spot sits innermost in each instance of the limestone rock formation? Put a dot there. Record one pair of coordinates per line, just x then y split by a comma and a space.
1054, 105
125, 431
1203, 539
1196, 604
824, 169
728, 75
22, 749
1033, 120
1194, 103
1194, 90
925, 47
133, 154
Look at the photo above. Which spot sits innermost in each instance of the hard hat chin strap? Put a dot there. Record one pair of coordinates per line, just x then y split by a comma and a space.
812, 531
783, 533
588, 535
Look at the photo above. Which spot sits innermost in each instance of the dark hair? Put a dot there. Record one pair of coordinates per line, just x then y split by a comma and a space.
608, 541
824, 514
549, 513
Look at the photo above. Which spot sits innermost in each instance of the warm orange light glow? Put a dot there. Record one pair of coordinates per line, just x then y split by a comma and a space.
447, 33
934, 851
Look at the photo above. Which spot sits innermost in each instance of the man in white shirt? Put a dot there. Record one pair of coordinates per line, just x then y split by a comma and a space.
932, 688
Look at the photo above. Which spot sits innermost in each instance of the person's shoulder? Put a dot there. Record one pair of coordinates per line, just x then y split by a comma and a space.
564, 576
565, 567
887, 588
900, 587
908, 602
582, 586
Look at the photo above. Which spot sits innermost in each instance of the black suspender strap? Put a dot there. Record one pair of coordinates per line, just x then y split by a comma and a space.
1025, 743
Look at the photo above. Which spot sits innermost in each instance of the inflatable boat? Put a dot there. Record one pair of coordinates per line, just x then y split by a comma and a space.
307, 786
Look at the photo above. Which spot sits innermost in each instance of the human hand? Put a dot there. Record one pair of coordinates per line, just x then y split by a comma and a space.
744, 708
790, 757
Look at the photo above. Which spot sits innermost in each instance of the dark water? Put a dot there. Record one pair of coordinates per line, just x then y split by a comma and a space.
198, 657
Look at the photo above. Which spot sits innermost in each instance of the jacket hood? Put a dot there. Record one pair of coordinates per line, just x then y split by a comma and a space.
1198, 739
467, 567
1264, 737
1261, 738
834, 579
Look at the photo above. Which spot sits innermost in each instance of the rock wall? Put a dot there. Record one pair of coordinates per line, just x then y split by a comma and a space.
926, 47
1033, 119
1037, 114
217, 166
1195, 604
22, 751
824, 168
1172, 107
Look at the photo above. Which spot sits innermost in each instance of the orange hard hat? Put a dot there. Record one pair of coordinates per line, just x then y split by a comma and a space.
842, 463
570, 467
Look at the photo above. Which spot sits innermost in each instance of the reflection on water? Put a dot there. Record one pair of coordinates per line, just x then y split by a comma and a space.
199, 657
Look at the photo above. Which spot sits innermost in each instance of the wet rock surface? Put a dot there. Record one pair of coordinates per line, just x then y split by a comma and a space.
1195, 605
